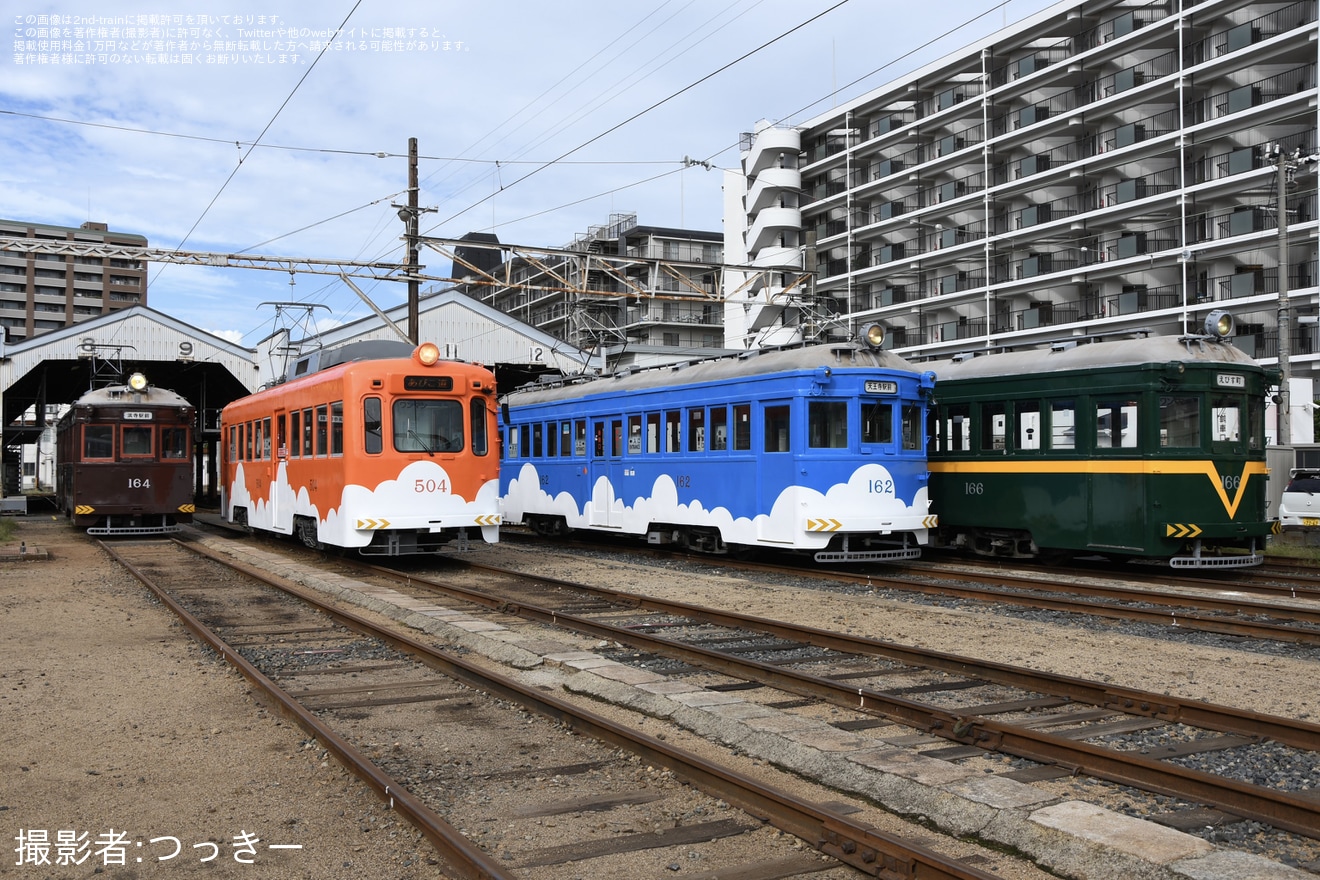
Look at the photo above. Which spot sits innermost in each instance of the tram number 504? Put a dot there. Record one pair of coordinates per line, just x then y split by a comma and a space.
431, 487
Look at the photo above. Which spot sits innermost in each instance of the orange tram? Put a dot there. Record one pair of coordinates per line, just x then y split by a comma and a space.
374, 446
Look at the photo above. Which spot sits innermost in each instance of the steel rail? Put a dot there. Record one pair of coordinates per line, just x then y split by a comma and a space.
1286, 810
1131, 701
861, 846
472, 861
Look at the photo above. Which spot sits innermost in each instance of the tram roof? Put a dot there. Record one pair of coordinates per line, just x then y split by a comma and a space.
748, 364
1092, 355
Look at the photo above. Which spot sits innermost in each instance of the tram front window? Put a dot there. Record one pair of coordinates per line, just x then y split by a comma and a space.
428, 426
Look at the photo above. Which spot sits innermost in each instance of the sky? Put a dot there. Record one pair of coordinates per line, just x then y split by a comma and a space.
282, 129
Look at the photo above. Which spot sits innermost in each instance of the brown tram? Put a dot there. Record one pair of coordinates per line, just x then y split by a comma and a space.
124, 460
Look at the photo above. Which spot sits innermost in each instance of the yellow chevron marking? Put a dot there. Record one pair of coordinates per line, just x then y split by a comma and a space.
823, 525
930, 522
373, 524
489, 519
84, 509
187, 508
1276, 527
1125, 466
1181, 530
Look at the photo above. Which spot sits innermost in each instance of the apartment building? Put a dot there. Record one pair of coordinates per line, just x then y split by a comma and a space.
652, 296
1103, 166
46, 291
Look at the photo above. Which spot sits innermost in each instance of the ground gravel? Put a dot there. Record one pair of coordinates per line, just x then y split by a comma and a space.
115, 721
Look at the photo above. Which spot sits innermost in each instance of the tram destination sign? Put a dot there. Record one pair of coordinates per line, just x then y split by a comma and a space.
1230, 380
881, 386
428, 383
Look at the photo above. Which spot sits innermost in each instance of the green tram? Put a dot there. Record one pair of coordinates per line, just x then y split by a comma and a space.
1148, 448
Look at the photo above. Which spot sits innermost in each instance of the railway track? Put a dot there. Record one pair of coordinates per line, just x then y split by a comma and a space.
528, 789
966, 707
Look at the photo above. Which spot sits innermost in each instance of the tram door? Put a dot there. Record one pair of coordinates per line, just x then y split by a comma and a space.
606, 461
777, 465
280, 456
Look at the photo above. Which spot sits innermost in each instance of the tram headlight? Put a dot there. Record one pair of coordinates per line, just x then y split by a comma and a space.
427, 354
1219, 324
137, 382
874, 335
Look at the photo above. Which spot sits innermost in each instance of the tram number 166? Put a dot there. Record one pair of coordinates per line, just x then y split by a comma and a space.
973, 488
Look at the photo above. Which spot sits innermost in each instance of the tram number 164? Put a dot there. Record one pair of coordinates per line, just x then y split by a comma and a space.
139, 482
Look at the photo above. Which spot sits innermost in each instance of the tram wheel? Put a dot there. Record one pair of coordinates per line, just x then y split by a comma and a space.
305, 529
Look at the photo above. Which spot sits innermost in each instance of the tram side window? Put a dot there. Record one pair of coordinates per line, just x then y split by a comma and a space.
479, 418
653, 432
598, 440
566, 438
956, 428
911, 426
1180, 422
994, 427
512, 446
742, 426
538, 440
136, 441
580, 438
1225, 419
827, 424
525, 438
634, 435
673, 431
98, 441
233, 443
719, 428
1027, 434
696, 430
616, 438
295, 431
322, 429
337, 428
1063, 424
265, 438
308, 428
373, 436
776, 428
877, 422
1116, 424
1255, 422
551, 435
247, 441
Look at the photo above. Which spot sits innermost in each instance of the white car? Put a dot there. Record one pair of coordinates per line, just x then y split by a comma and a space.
1301, 499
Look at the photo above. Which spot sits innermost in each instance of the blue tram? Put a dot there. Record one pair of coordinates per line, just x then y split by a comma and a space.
817, 449
1147, 448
